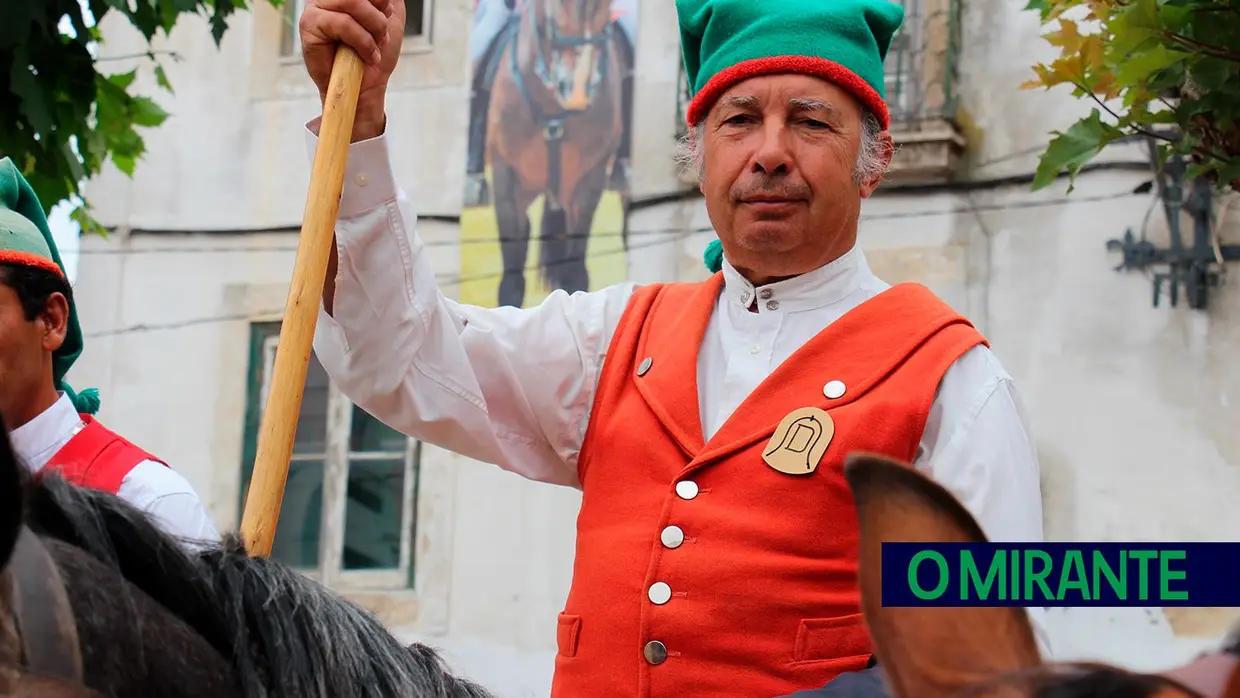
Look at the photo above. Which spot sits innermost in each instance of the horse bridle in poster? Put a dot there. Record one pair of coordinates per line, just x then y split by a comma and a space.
550, 69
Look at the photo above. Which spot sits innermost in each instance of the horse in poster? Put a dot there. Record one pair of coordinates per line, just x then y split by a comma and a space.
554, 128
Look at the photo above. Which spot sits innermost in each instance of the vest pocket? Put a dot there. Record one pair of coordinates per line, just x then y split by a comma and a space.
568, 628
820, 639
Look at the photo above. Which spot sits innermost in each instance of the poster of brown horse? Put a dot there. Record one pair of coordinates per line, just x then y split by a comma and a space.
547, 178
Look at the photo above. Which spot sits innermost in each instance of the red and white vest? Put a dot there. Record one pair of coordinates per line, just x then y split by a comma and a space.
97, 457
702, 571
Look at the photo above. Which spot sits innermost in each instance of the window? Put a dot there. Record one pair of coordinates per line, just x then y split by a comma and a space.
682, 101
902, 69
349, 508
920, 68
417, 23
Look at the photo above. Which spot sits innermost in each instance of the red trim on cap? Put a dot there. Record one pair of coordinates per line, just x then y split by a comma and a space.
29, 259
807, 65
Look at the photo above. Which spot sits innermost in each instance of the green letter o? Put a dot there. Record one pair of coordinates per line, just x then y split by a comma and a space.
944, 577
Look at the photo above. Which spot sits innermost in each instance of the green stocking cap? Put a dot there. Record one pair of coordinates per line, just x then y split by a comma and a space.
26, 240
845, 42
725, 42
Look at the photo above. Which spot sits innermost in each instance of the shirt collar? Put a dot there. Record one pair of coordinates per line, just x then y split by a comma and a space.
823, 286
36, 441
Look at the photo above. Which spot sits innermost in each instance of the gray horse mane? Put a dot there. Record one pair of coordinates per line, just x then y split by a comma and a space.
286, 635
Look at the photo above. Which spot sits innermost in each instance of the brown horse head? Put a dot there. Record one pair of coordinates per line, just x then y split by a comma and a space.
571, 35
947, 652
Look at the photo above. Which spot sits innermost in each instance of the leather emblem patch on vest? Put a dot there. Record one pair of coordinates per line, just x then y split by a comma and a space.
799, 441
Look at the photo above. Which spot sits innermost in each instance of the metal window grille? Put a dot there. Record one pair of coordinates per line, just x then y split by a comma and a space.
921, 66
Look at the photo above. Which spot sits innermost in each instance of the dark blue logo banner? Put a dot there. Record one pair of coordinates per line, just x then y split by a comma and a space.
1061, 574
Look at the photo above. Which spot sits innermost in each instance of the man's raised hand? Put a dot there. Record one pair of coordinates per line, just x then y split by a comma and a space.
373, 28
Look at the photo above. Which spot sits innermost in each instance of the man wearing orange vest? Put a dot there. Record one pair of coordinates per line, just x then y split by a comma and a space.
52, 428
706, 424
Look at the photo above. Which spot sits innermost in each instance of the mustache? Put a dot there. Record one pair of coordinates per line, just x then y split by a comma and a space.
770, 188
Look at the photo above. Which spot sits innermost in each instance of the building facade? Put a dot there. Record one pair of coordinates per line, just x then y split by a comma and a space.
1133, 406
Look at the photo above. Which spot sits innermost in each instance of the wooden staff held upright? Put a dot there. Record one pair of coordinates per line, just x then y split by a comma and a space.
279, 422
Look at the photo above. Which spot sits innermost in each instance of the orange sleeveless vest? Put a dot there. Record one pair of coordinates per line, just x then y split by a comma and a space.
700, 570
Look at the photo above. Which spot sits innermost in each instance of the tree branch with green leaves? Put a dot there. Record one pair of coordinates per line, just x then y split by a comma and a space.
62, 114
1173, 66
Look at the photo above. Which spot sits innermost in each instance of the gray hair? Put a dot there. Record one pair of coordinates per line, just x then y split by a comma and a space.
690, 153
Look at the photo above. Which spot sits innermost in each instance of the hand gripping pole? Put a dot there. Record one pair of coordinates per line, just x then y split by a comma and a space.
279, 421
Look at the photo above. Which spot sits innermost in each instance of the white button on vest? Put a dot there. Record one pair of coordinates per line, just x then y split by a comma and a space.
672, 536
834, 389
686, 489
659, 593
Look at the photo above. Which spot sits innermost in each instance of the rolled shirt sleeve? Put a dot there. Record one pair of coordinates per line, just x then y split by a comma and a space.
507, 386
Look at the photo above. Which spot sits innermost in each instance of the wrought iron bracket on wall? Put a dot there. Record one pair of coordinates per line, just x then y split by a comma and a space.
1196, 266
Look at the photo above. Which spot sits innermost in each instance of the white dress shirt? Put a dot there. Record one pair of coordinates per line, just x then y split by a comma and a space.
514, 387
150, 486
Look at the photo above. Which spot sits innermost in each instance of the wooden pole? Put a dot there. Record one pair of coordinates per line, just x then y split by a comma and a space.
279, 423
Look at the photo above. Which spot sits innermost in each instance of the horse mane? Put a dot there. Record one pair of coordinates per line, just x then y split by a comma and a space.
1080, 679
285, 634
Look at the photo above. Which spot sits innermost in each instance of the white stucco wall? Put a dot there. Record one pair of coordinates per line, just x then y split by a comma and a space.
1133, 406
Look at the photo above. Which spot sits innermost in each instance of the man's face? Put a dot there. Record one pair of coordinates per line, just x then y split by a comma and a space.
779, 154
26, 348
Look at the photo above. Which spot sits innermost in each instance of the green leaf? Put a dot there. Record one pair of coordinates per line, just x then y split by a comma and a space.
1127, 41
123, 80
147, 113
1163, 153
62, 117
33, 101
1196, 169
75, 165
124, 163
1230, 171
145, 19
17, 17
1162, 116
86, 222
1139, 68
1215, 73
1142, 14
1174, 17
162, 79
1218, 28
1042, 7
1073, 148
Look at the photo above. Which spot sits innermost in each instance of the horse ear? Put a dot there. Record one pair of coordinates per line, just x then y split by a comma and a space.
10, 496
1215, 675
928, 652
1233, 684
1231, 687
